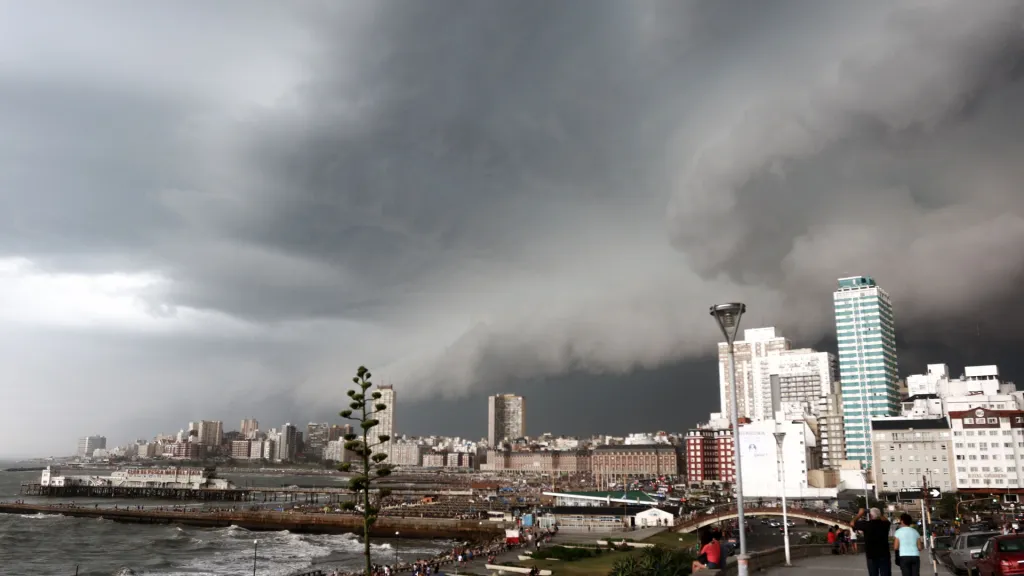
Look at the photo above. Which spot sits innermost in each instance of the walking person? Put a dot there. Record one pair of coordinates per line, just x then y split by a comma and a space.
876, 541
909, 544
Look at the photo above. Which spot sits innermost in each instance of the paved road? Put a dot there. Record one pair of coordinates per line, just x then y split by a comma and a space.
835, 566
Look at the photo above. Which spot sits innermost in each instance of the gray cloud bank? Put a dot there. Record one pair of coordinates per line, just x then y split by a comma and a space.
464, 194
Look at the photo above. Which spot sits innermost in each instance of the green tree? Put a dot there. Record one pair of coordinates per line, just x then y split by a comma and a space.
874, 503
371, 465
946, 507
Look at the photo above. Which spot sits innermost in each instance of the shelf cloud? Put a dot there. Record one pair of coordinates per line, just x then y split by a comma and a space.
260, 197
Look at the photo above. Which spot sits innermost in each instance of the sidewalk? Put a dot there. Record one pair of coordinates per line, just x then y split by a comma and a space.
834, 566
477, 566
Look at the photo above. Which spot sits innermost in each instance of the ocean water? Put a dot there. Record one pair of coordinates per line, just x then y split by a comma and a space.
41, 545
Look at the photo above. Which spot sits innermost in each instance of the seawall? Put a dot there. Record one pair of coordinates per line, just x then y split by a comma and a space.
426, 528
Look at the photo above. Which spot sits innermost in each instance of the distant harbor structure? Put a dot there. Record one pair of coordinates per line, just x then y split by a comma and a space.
172, 477
172, 483
197, 484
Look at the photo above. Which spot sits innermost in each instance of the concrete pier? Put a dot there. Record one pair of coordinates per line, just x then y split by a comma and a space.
386, 526
307, 495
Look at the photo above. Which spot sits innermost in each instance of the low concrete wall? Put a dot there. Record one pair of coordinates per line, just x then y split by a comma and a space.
773, 557
502, 569
630, 544
385, 526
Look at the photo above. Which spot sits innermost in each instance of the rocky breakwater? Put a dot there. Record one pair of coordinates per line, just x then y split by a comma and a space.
427, 528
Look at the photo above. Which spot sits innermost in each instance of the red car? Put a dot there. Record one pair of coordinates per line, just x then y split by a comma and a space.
1000, 556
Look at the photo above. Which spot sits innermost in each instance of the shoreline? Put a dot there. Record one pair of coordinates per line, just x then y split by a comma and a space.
263, 521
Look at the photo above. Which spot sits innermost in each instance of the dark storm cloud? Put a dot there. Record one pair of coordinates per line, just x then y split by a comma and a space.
901, 162
469, 194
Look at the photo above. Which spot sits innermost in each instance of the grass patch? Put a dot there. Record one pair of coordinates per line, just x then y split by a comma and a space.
566, 554
673, 540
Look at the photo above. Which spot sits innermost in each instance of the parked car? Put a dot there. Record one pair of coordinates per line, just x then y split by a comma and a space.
964, 546
999, 556
941, 549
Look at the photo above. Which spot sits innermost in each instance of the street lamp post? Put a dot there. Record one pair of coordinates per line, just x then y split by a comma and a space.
728, 317
396, 552
779, 437
255, 545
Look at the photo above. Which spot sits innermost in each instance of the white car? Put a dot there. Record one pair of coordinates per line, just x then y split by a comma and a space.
964, 546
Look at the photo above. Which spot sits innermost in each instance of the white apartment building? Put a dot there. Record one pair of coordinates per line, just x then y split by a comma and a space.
753, 382
257, 449
285, 443
209, 432
240, 449
506, 418
249, 428
335, 451
830, 430
270, 446
802, 376
407, 454
936, 394
759, 454
908, 452
642, 439
988, 447
87, 445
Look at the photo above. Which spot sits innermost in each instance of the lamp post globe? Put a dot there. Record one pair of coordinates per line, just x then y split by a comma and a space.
728, 317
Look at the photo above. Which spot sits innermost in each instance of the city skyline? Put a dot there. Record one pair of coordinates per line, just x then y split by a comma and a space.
232, 225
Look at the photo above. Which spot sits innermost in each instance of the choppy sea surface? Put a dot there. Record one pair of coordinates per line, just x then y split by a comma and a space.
41, 545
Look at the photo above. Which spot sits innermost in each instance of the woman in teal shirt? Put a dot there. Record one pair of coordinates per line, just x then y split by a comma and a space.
909, 545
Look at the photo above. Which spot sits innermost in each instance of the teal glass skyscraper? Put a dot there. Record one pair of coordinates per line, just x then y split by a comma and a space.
866, 335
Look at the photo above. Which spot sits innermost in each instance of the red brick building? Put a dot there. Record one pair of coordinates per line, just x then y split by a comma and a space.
709, 456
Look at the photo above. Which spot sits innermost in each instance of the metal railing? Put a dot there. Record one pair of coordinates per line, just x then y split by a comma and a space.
725, 511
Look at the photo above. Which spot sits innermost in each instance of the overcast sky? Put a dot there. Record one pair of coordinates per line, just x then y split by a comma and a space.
210, 210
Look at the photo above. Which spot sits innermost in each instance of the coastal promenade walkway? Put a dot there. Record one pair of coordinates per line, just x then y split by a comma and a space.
853, 565
563, 538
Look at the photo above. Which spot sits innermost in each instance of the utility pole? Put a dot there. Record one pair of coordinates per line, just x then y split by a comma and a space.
924, 521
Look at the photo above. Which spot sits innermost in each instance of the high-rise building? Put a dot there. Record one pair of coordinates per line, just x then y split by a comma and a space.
753, 378
211, 432
337, 432
830, 429
249, 428
240, 449
803, 376
285, 443
506, 418
317, 436
89, 444
386, 419
866, 337
910, 450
